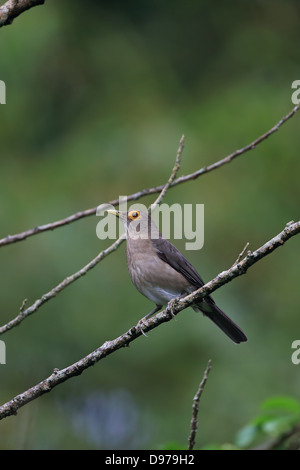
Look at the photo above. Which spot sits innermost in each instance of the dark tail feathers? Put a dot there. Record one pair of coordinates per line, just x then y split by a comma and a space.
212, 311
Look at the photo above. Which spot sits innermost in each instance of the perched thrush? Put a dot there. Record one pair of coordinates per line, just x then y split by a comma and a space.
161, 273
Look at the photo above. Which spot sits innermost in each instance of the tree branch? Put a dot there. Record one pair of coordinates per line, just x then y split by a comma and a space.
241, 254
60, 376
145, 192
13, 8
195, 408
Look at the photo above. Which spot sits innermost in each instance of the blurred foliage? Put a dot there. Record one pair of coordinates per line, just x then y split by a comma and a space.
276, 427
278, 416
273, 428
98, 96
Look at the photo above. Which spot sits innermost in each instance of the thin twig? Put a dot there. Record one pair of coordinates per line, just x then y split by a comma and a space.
195, 408
60, 376
241, 254
13, 8
145, 192
172, 176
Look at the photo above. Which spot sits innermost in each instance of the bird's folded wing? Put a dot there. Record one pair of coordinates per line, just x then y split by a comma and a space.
169, 254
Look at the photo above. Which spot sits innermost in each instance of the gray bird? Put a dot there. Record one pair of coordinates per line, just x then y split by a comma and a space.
161, 273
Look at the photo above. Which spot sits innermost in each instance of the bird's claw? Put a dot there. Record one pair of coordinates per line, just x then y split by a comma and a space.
141, 325
171, 306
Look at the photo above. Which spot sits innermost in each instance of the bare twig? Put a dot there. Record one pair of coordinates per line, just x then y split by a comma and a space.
60, 376
144, 192
13, 8
22, 308
172, 176
195, 408
241, 254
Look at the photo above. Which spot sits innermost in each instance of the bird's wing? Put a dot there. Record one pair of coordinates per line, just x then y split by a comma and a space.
169, 254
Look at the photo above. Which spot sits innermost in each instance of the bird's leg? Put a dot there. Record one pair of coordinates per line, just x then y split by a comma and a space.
155, 310
141, 321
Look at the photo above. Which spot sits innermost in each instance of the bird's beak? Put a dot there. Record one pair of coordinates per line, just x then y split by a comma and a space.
116, 213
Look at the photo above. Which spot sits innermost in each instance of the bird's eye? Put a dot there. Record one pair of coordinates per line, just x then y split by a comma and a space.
133, 214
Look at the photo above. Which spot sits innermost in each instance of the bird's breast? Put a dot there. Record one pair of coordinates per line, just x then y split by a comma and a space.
152, 277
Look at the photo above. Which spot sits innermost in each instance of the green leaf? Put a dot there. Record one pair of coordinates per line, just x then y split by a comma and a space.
278, 425
282, 403
280, 414
246, 435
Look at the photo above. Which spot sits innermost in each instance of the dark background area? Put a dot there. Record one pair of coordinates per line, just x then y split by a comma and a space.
98, 96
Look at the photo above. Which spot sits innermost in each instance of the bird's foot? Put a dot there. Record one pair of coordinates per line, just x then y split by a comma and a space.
170, 307
141, 325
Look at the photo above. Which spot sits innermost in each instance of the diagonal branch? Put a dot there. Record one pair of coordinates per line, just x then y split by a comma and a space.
13, 8
60, 376
145, 192
241, 254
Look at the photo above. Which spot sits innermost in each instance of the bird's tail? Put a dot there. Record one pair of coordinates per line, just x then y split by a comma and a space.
212, 311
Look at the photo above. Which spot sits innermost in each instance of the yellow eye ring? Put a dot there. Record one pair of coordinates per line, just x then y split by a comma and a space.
133, 215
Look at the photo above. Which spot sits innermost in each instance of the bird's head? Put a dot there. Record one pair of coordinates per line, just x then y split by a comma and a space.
128, 216
138, 224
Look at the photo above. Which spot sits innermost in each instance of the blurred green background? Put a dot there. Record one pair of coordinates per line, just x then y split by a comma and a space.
98, 96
